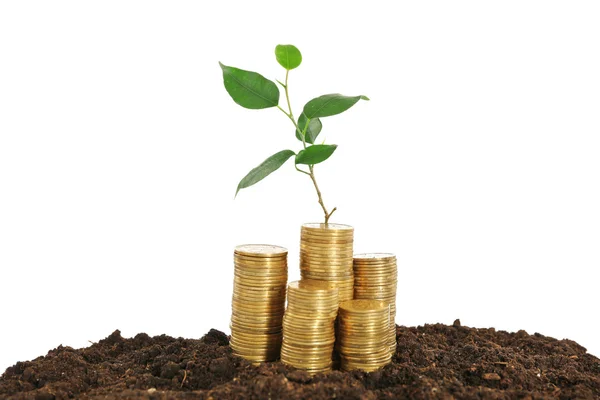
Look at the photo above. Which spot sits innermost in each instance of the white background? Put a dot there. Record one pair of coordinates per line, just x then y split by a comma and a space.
476, 161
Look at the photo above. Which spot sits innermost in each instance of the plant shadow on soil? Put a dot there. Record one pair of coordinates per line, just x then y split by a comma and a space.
431, 362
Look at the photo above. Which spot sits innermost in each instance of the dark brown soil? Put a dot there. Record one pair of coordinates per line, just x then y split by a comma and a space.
432, 362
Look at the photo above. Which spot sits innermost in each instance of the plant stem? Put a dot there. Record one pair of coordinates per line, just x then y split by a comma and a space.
311, 174
312, 177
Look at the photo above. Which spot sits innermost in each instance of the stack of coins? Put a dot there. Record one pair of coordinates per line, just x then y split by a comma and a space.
375, 278
309, 325
363, 327
326, 254
258, 301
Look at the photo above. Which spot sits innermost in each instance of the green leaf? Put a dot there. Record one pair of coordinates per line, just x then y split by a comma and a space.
288, 56
330, 104
313, 130
268, 166
315, 154
249, 89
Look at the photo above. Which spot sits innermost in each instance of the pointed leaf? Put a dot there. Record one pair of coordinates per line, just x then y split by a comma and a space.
313, 130
268, 166
330, 104
288, 56
249, 89
315, 154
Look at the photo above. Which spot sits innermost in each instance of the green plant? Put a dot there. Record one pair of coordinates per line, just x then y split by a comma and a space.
252, 90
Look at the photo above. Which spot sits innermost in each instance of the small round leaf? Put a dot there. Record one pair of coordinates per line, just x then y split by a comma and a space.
288, 56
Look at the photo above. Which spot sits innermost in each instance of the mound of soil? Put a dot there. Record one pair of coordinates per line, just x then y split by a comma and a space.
431, 362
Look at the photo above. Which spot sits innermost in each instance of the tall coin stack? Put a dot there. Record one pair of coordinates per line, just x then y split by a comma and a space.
258, 301
326, 253
363, 327
375, 278
309, 325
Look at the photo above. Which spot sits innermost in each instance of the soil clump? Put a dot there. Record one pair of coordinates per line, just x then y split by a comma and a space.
431, 362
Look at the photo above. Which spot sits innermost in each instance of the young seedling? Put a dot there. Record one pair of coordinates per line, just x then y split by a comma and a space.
254, 91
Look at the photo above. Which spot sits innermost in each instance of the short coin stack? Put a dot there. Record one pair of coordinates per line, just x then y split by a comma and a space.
375, 278
258, 301
326, 253
363, 327
309, 325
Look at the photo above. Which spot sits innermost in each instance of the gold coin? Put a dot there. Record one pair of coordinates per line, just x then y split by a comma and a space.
307, 313
363, 328
257, 311
331, 269
267, 351
256, 317
257, 303
320, 285
250, 284
256, 291
267, 330
327, 227
247, 276
328, 252
256, 360
391, 273
311, 337
368, 355
325, 264
308, 362
309, 367
309, 333
348, 365
293, 304
376, 357
301, 315
260, 250
323, 353
255, 328
332, 277
360, 281
318, 323
321, 244
242, 259
308, 305
319, 364
363, 306
308, 346
312, 286
314, 260
244, 284
252, 276
262, 295
293, 347
374, 256
369, 296
319, 297
257, 306
256, 340
360, 290
261, 269
309, 242
380, 353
